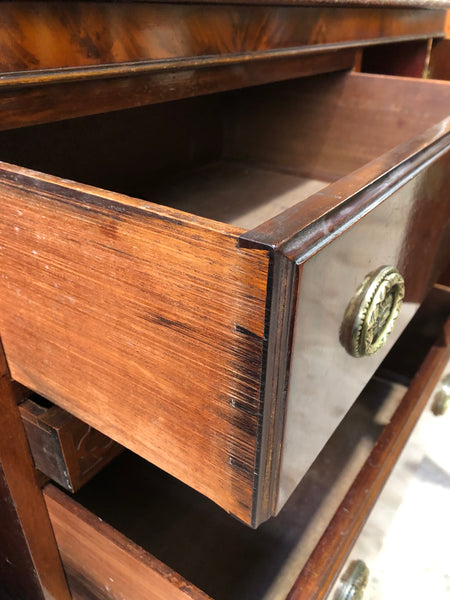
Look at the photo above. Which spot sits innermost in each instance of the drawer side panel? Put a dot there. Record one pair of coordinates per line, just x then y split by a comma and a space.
145, 323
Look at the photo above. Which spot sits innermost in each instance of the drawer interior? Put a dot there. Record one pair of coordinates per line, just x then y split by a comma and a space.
241, 157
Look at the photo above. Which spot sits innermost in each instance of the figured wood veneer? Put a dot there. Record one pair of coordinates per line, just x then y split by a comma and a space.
92, 57
109, 34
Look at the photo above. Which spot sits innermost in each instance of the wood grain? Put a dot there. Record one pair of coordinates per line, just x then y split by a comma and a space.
64, 448
328, 558
41, 104
89, 58
101, 563
18, 577
144, 322
39, 36
30, 567
336, 3
327, 126
411, 179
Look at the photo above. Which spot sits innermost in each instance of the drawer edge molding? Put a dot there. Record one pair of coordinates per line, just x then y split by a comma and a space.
42, 77
320, 219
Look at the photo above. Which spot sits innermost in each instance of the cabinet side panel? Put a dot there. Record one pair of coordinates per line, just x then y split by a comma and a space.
144, 322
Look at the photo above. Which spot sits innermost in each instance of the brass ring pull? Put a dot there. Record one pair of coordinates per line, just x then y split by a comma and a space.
371, 314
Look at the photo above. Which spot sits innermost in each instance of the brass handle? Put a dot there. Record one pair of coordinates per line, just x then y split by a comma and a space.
371, 313
354, 582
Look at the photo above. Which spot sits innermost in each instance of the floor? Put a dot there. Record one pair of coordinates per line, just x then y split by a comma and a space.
406, 541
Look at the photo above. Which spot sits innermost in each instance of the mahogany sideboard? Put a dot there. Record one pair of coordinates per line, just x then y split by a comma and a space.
277, 214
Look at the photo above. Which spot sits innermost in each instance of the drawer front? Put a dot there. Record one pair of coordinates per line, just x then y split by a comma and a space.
64, 448
393, 212
409, 230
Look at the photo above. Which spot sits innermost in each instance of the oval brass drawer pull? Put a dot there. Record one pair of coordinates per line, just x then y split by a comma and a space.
371, 313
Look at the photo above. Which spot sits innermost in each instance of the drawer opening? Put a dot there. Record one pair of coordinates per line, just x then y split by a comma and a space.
239, 158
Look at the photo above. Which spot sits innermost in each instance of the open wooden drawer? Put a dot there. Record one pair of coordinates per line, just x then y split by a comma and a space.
202, 326
156, 538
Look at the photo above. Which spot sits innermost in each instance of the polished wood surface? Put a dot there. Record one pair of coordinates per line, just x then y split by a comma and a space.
30, 566
409, 59
330, 554
66, 59
327, 126
74, 244
117, 328
42, 104
18, 577
64, 448
102, 563
42, 37
336, 3
311, 362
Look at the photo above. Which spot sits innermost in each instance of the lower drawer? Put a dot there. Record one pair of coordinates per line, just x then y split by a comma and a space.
383, 563
184, 547
64, 448
221, 322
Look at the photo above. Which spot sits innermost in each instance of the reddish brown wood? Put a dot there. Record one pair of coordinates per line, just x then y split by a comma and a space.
121, 333
64, 448
17, 573
102, 563
33, 568
328, 558
41, 104
80, 34
100, 291
445, 277
327, 126
192, 50
439, 67
409, 59
415, 188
